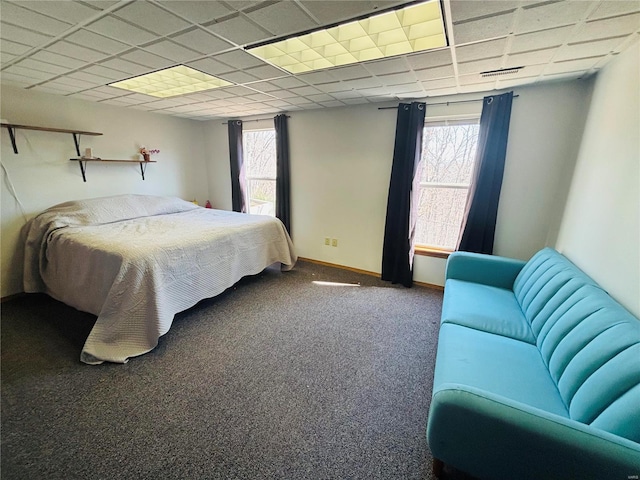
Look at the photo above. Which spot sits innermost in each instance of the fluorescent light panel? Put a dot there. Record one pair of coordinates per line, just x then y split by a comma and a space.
406, 30
171, 82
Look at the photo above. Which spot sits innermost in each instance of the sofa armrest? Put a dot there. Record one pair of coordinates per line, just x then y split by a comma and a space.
486, 269
490, 436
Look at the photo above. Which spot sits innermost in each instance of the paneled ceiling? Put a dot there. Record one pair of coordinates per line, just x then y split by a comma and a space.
75, 48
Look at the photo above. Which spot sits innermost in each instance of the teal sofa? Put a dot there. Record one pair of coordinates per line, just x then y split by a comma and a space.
537, 373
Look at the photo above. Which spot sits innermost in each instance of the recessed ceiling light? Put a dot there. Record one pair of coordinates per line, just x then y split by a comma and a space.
406, 30
171, 82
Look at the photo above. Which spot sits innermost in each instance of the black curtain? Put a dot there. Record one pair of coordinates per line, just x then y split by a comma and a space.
283, 185
236, 158
479, 225
397, 251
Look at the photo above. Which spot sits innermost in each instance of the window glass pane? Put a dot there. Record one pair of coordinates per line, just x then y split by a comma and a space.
262, 196
448, 157
448, 153
260, 153
440, 213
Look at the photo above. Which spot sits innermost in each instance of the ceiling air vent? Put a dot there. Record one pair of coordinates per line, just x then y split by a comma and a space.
500, 72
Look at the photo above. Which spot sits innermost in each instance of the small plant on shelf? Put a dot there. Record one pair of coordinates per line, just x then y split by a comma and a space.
147, 152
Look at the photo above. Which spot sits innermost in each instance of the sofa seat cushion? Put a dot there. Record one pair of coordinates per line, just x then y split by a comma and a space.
498, 364
485, 308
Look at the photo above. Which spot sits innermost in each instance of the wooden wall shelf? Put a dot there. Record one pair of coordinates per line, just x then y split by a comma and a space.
11, 127
83, 164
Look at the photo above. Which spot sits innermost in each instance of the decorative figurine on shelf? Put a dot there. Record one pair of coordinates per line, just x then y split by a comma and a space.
147, 152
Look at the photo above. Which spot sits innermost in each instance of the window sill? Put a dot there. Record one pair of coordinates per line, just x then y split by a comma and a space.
433, 251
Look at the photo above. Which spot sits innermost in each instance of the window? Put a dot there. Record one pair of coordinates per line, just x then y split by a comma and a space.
260, 170
448, 156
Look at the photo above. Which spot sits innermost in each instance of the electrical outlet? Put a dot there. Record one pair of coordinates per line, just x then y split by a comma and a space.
327, 241
334, 242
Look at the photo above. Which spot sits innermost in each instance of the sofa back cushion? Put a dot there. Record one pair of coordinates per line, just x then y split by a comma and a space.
589, 342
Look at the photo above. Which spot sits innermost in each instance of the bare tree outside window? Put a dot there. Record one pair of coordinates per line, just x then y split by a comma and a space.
448, 156
260, 170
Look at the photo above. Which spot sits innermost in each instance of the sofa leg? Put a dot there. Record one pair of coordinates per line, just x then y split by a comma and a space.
438, 467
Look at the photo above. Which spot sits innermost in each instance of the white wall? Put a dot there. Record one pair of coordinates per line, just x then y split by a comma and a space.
600, 230
341, 165
43, 175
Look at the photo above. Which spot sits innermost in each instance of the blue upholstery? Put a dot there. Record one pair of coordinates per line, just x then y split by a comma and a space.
537, 362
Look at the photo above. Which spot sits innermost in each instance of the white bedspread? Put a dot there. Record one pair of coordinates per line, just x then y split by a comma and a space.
135, 261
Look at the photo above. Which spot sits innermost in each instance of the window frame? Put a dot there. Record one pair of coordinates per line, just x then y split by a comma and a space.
471, 119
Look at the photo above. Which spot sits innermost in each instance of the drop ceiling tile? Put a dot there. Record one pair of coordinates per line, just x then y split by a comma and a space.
588, 49
306, 90
17, 15
89, 77
16, 79
238, 77
319, 77
336, 10
202, 41
516, 82
397, 78
259, 97
84, 96
105, 72
298, 101
35, 75
282, 18
332, 104
526, 71
332, 87
619, 7
148, 16
266, 72
264, 86
239, 30
173, 51
288, 82
198, 11
278, 103
599, 29
101, 4
359, 83
6, 58
550, 15
147, 59
535, 57
347, 94
42, 66
443, 91
125, 66
355, 101
538, 40
479, 66
118, 30
571, 66
484, 29
74, 82
22, 35
481, 86
392, 65
283, 94
408, 89
110, 92
430, 59
435, 72
98, 42
7, 46
466, 10
54, 89
96, 94
349, 73
72, 12
56, 59
371, 92
478, 51
437, 84
76, 51
210, 66
238, 59
238, 91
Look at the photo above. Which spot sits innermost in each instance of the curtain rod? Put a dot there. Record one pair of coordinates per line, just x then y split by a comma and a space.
444, 103
256, 120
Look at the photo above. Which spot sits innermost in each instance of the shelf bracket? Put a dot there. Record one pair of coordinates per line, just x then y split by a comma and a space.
83, 169
12, 135
76, 139
143, 168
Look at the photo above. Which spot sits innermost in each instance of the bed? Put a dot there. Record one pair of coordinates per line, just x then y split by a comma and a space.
137, 260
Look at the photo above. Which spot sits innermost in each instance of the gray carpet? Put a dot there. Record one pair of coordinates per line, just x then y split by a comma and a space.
277, 378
